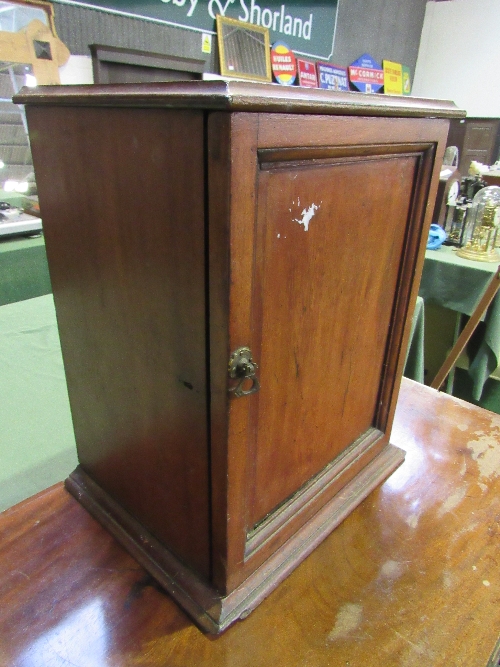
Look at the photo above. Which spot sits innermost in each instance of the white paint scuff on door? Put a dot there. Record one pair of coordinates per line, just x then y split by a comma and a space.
307, 215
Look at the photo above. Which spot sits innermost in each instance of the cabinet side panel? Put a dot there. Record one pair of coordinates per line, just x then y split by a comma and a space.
122, 200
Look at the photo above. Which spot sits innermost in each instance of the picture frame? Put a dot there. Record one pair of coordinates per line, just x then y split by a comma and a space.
40, 5
28, 37
244, 50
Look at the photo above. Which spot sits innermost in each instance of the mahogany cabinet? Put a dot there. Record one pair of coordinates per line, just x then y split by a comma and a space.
476, 139
234, 267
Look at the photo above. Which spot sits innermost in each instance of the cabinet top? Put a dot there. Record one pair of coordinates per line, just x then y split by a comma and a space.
227, 95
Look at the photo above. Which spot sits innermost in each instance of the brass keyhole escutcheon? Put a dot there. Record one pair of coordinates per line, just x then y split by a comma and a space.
242, 367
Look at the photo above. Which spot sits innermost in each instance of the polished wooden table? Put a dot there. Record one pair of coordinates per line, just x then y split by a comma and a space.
410, 578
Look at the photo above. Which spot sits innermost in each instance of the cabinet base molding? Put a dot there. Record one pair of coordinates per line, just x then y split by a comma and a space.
211, 611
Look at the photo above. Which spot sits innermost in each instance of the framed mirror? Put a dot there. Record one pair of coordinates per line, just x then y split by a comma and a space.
244, 50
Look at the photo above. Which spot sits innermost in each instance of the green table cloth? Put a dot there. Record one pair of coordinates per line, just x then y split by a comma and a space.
414, 366
37, 443
452, 282
24, 273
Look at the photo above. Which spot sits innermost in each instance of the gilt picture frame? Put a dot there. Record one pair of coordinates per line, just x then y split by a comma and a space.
244, 50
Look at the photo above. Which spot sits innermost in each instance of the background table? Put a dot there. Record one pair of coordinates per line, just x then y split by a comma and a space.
24, 273
452, 282
410, 578
37, 443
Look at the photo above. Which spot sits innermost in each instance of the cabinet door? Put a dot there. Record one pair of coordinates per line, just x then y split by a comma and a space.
326, 216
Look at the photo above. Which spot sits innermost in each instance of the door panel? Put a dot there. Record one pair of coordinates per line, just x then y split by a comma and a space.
328, 247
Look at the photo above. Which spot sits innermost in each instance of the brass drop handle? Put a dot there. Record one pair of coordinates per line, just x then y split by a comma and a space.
242, 367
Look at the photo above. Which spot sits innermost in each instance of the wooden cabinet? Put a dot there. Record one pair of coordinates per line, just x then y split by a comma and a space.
185, 222
477, 139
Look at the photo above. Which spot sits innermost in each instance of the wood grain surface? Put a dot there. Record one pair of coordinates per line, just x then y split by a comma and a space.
410, 578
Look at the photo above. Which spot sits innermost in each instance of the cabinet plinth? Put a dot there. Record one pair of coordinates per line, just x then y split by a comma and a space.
234, 268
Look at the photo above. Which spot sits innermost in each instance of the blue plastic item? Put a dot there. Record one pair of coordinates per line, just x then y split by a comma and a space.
436, 237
